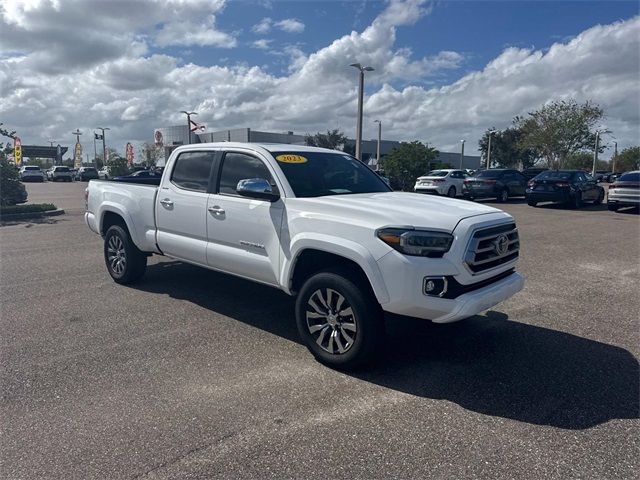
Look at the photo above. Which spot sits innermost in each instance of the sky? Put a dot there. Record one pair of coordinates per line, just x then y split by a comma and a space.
444, 70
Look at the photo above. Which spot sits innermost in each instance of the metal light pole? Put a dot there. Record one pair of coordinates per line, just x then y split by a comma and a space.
595, 154
379, 140
462, 153
95, 152
51, 142
104, 144
360, 100
188, 114
491, 132
615, 156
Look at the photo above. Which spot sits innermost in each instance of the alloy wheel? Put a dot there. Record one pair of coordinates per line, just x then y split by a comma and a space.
116, 255
331, 321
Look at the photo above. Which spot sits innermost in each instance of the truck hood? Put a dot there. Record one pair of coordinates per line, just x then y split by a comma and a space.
377, 210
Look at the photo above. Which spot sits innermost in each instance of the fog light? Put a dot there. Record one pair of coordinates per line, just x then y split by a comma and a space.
434, 286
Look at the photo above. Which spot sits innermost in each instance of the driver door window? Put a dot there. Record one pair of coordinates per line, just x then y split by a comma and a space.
239, 166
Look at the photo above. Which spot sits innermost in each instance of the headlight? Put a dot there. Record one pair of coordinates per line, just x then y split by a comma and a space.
422, 243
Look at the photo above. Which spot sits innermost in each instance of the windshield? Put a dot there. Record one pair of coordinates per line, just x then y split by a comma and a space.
437, 173
32, 168
62, 169
316, 174
489, 174
554, 176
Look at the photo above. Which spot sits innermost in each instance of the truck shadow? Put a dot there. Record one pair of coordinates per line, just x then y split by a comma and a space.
487, 364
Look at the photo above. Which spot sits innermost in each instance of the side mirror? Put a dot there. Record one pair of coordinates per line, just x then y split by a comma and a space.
259, 188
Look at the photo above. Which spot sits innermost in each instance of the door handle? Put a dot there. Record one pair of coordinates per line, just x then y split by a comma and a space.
216, 210
166, 203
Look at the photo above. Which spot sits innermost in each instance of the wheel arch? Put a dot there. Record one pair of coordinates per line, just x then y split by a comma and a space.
310, 256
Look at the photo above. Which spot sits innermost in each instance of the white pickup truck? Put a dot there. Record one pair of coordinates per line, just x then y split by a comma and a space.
319, 225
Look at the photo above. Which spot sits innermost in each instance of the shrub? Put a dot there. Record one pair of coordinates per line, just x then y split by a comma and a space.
11, 189
31, 208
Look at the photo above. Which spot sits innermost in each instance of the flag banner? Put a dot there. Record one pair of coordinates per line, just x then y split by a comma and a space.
97, 136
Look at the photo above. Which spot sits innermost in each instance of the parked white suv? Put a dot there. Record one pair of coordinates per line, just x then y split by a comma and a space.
31, 173
317, 224
446, 181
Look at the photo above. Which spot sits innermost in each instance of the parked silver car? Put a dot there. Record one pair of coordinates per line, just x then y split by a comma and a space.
31, 173
60, 173
625, 191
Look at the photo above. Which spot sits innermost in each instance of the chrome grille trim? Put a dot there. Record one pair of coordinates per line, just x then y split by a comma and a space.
482, 253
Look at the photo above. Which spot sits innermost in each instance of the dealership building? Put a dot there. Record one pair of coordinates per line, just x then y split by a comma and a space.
172, 137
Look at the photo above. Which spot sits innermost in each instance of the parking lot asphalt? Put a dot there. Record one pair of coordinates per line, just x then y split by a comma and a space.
194, 374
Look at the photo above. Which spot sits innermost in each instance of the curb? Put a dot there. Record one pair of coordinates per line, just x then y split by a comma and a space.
22, 216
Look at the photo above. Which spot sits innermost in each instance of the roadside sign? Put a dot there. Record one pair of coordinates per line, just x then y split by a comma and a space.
17, 151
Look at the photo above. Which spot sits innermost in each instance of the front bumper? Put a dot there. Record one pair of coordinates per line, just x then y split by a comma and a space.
470, 293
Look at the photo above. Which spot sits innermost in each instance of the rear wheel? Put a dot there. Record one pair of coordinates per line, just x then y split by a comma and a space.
125, 263
532, 203
612, 207
339, 320
503, 196
451, 193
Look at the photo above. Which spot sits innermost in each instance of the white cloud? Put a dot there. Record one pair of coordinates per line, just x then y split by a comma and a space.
133, 91
263, 26
262, 44
290, 25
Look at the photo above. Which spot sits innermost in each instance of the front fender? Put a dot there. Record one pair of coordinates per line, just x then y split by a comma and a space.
337, 246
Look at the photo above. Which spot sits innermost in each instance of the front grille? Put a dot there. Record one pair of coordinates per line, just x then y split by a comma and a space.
492, 247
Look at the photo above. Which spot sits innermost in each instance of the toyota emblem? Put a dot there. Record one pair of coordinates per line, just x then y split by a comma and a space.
501, 244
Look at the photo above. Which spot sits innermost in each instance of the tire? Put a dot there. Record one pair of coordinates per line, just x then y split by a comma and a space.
577, 200
532, 203
612, 207
320, 303
503, 196
600, 198
125, 263
451, 193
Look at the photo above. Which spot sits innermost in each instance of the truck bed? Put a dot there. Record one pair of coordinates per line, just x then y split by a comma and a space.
133, 202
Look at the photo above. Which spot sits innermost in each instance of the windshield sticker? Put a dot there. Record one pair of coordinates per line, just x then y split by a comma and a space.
291, 159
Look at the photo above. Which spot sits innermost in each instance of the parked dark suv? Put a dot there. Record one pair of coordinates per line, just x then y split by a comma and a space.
496, 182
573, 187
87, 173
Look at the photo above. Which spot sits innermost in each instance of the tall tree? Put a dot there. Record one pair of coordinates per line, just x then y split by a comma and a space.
628, 159
506, 150
333, 139
407, 162
560, 129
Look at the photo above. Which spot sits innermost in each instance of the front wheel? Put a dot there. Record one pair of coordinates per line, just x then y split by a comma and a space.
503, 196
612, 207
339, 320
532, 203
125, 263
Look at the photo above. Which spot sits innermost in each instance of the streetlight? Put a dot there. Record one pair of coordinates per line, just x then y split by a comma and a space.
595, 154
360, 99
615, 156
379, 140
188, 114
491, 132
462, 153
104, 144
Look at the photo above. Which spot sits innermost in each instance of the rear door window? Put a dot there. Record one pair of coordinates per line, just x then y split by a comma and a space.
192, 171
